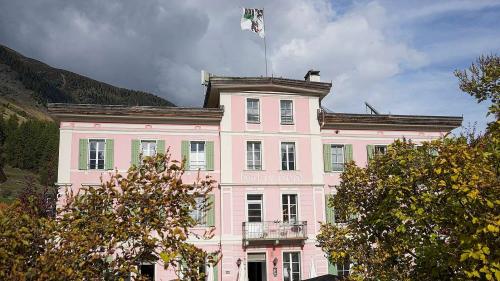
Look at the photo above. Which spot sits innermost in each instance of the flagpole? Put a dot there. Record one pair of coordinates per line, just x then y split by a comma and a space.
265, 31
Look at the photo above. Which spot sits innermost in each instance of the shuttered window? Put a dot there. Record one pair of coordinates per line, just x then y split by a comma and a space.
96, 154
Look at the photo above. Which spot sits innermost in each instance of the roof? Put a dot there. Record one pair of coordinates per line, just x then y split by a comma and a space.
262, 84
388, 122
134, 114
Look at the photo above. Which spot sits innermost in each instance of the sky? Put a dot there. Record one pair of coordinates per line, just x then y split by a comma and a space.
399, 56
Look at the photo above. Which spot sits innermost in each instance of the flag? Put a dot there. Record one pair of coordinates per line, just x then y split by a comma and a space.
253, 20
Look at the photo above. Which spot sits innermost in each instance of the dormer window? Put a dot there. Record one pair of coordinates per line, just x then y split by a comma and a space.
253, 111
286, 109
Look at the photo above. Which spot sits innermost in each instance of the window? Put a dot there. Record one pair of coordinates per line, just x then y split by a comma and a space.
254, 155
380, 149
343, 268
96, 154
253, 111
337, 157
148, 271
286, 109
289, 207
198, 213
291, 266
254, 206
288, 156
197, 155
148, 148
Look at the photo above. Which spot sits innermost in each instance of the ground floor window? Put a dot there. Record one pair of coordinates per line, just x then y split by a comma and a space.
343, 268
291, 266
148, 271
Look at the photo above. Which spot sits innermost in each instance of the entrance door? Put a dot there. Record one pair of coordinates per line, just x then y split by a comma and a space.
257, 267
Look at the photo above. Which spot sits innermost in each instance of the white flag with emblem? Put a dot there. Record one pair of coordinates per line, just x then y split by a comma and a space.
253, 20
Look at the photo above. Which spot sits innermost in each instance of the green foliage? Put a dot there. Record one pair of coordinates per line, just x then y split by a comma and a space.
31, 145
426, 213
104, 232
482, 81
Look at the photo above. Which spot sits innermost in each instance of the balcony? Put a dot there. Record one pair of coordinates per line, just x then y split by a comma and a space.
274, 232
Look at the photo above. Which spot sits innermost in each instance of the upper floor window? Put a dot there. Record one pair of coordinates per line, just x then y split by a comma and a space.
289, 206
254, 155
286, 110
337, 157
96, 154
197, 155
380, 149
254, 207
198, 213
288, 156
148, 148
253, 111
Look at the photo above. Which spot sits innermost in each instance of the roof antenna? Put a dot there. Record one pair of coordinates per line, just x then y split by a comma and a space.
370, 109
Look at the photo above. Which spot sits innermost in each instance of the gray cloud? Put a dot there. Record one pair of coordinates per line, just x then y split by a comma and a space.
161, 46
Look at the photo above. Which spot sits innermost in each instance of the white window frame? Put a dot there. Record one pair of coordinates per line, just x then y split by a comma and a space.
294, 156
148, 141
297, 215
201, 215
258, 110
342, 270
262, 215
337, 163
292, 113
283, 264
380, 145
191, 158
253, 155
96, 154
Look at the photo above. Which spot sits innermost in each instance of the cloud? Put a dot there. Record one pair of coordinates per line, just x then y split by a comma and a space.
371, 50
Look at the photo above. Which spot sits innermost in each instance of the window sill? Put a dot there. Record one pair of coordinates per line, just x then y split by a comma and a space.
287, 124
254, 170
289, 170
253, 122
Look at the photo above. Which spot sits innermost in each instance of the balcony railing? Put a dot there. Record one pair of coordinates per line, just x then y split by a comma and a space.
274, 231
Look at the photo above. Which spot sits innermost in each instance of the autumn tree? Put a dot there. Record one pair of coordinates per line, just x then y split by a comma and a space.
429, 212
105, 232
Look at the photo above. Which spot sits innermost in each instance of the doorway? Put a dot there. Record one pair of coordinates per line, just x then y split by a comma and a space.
257, 267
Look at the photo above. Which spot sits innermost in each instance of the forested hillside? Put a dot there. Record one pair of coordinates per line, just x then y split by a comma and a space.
56, 85
28, 135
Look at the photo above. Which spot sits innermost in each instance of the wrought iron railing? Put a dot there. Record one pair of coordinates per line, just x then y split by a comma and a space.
274, 230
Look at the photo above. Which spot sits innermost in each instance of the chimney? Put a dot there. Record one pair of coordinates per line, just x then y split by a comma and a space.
312, 76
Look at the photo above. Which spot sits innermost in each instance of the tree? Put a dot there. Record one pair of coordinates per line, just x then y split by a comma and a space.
426, 213
105, 232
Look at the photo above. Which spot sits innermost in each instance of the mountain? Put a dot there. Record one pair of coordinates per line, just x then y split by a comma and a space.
27, 85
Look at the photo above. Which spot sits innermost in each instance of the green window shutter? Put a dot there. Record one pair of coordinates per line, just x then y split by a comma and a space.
329, 212
216, 272
332, 268
160, 146
209, 155
327, 157
348, 152
215, 266
211, 210
110, 155
185, 153
370, 149
83, 155
136, 151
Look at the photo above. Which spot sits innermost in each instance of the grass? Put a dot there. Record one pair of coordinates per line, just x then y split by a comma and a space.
16, 181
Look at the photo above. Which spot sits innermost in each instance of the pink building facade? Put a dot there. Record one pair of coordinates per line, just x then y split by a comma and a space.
275, 154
